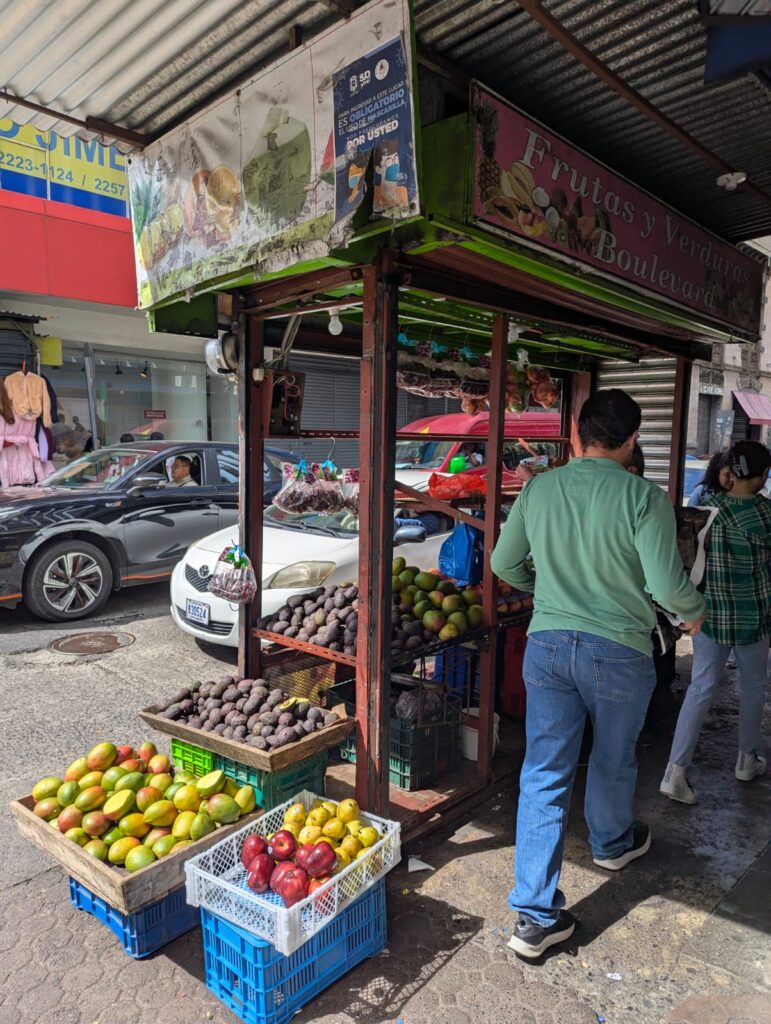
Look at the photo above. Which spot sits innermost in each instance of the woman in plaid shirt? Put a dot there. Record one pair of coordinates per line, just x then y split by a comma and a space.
738, 595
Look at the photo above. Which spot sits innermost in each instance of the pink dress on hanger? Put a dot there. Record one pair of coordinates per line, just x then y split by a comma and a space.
19, 456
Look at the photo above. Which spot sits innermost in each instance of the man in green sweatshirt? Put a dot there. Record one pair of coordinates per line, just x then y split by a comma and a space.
603, 542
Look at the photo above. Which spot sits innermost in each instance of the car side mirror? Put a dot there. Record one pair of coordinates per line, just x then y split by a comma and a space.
147, 482
410, 534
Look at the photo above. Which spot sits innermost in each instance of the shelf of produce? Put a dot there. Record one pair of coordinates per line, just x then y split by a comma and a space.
428, 651
244, 753
123, 890
307, 648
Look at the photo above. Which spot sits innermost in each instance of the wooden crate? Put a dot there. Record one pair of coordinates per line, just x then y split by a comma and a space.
123, 890
272, 761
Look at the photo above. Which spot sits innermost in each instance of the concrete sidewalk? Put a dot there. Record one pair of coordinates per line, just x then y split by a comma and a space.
679, 937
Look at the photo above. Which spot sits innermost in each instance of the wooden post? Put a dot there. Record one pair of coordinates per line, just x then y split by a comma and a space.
679, 430
377, 456
580, 389
250, 481
488, 658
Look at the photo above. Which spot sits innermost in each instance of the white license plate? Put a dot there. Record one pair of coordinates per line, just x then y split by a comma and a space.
198, 612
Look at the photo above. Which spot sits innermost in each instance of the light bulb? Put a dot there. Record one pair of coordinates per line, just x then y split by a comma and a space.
335, 323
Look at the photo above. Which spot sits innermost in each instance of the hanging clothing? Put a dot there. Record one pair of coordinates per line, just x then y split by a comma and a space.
52, 399
29, 397
6, 409
19, 456
47, 447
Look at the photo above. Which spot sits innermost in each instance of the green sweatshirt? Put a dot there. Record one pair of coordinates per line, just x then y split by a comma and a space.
603, 542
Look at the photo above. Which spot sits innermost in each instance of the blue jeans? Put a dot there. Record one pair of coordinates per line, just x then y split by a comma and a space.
569, 675
709, 661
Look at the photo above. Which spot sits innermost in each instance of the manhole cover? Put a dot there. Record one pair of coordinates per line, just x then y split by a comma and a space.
92, 643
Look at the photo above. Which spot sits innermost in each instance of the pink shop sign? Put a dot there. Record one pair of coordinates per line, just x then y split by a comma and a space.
530, 183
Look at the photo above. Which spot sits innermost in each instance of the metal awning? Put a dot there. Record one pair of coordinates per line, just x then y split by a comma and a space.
147, 65
756, 406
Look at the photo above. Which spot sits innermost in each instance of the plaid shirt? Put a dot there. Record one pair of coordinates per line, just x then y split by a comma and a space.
737, 581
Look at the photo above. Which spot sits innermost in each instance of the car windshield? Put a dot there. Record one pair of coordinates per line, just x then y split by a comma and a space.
338, 524
103, 468
422, 454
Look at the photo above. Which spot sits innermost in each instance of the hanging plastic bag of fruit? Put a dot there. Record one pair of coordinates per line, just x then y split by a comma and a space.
327, 496
233, 577
349, 485
297, 489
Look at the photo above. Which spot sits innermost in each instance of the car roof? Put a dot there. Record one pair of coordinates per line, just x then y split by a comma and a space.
159, 447
529, 424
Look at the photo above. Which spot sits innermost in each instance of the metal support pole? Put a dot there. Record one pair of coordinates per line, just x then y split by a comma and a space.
250, 482
679, 430
488, 658
377, 457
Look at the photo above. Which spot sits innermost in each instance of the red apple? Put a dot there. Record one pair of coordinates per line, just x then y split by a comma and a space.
282, 846
316, 859
291, 885
253, 847
124, 753
260, 872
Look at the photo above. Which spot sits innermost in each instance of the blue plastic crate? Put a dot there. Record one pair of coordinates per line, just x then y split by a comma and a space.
456, 668
146, 930
263, 987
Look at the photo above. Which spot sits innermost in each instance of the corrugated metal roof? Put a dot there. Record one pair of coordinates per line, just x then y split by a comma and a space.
657, 47
147, 64
23, 318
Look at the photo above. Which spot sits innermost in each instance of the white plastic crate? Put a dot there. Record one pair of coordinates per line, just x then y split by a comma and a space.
216, 881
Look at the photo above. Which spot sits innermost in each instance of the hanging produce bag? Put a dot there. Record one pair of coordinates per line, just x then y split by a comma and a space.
233, 577
296, 491
461, 556
349, 485
327, 497
459, 485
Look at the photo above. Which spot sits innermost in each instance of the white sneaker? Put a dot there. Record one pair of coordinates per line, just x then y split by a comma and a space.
675, 785
750, 766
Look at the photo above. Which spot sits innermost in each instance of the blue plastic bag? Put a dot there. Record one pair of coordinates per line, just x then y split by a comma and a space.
462, 555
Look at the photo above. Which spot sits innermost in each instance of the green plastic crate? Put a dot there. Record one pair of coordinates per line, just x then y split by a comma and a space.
190, 758
417, 756
272, 788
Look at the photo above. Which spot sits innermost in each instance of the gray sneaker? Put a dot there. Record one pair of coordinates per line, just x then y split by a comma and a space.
750, 766
675, 785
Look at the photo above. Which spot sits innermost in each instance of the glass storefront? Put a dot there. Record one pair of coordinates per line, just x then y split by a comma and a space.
140, 395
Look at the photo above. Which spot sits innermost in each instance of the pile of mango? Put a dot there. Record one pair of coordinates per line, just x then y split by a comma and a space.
129, 807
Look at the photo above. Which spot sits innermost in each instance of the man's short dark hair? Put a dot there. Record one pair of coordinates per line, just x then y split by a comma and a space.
184, 458
608, 419
126, 438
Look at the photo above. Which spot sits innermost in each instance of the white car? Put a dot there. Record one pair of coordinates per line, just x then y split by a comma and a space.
300, 553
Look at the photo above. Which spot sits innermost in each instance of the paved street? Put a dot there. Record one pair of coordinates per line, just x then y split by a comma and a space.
681, 937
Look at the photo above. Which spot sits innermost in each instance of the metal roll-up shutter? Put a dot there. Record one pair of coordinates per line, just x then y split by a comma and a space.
704, 421
15, 347
332, 400
651, 383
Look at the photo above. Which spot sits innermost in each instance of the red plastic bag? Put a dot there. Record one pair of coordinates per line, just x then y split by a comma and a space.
457, 485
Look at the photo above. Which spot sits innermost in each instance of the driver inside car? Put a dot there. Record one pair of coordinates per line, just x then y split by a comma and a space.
180, 472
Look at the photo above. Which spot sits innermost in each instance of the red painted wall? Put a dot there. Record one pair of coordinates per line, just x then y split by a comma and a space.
49, 248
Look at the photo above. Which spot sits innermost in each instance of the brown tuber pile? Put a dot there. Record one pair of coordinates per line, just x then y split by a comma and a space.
247, 711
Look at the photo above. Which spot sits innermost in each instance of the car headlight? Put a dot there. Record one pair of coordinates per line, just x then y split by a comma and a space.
299, 574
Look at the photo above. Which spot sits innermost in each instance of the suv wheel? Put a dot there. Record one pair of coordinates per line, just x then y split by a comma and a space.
68, 580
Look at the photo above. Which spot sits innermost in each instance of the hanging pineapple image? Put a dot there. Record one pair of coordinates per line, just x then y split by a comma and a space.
489, 172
